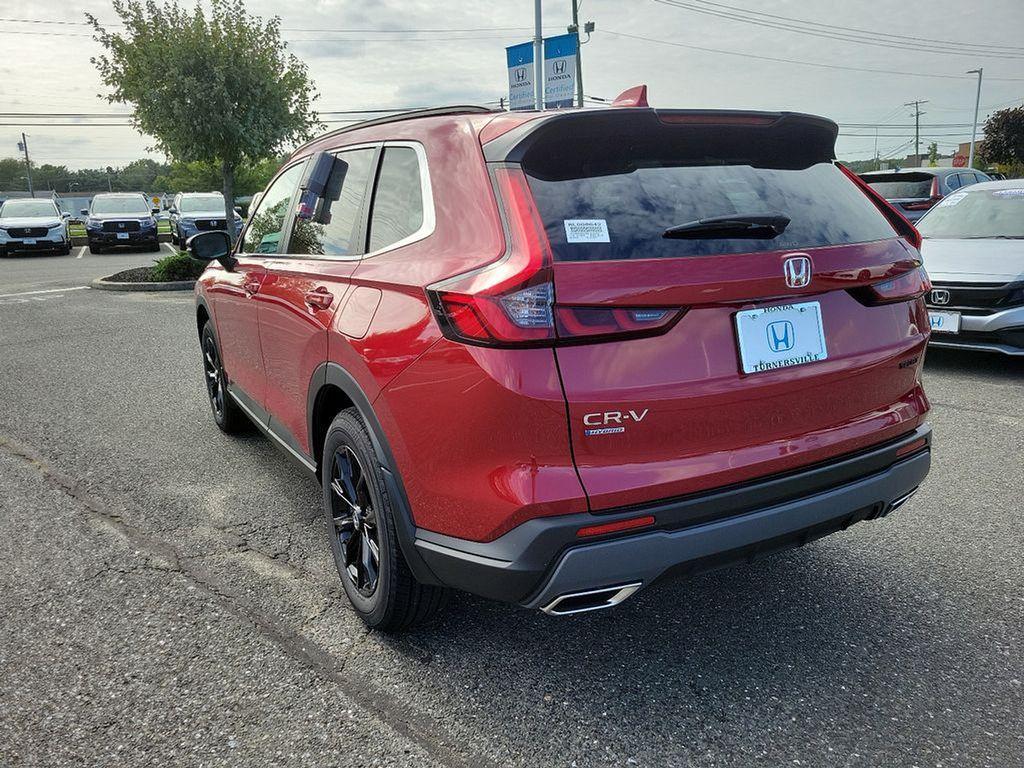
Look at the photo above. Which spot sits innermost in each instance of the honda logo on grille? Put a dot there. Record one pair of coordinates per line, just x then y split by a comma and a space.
797, 270
940, 296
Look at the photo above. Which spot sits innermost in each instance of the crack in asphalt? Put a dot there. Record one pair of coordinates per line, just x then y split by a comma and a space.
162, 556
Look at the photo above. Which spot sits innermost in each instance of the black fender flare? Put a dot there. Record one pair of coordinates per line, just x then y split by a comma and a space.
332, 374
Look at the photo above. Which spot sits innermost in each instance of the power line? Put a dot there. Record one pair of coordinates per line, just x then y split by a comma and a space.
781, 60
850, 30
907, 45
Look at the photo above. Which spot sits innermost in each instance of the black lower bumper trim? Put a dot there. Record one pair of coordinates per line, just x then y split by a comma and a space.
543, 558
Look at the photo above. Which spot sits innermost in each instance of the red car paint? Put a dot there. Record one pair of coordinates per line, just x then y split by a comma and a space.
484, 437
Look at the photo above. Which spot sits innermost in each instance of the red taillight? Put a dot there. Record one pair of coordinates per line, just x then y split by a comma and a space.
899, 222
512, 302
909, 285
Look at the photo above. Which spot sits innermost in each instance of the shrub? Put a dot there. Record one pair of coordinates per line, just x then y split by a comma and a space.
179, 266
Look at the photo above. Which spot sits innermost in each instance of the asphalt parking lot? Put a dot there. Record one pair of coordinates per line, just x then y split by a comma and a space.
168, 596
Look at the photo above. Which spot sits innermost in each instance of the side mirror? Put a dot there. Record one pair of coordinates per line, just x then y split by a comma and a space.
65, 215
155, 210
85, 211
172, 209
238, 210
212, 246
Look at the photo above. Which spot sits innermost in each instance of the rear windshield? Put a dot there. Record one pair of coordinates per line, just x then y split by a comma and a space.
896, 187
977, 214
623, 215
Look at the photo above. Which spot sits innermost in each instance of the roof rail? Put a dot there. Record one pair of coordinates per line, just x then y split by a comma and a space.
462, 109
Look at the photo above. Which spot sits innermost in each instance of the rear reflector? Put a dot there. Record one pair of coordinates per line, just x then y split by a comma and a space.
912, 447
618, 525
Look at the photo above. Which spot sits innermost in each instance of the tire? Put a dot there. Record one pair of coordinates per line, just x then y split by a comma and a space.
95, 248
66, 250
226, 413
393, 600
152, 247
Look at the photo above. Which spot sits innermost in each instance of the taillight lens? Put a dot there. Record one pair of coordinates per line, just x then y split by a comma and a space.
511, 303
909, 285
899, 222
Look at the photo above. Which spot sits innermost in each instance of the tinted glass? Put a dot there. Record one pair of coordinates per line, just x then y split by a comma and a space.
263, 235
953, 181
897, 189
196, 203
981, 213
398, 198
335, 226
27, 208
636, 207
137, 206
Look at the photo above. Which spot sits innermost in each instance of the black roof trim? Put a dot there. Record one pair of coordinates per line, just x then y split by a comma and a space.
461, 109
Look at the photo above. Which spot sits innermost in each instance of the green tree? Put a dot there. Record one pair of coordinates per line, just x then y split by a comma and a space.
198, 176
933, 154
1004, 137
216, 87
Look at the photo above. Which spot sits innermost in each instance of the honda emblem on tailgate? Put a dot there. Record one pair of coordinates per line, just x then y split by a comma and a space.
797, 270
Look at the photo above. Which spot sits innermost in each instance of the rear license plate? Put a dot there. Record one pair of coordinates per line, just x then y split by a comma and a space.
944, 322
29, 241
122, 235
780, 337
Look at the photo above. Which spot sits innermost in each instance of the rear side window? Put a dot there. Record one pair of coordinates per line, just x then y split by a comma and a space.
335, 227
398, 198
623, 214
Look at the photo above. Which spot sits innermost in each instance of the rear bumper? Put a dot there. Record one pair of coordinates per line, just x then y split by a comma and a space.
543, 559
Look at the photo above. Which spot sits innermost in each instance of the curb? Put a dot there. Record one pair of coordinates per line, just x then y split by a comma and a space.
103, 284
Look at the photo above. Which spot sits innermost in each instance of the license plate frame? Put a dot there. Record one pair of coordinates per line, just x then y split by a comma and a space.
122, 235
948, 321
780, 336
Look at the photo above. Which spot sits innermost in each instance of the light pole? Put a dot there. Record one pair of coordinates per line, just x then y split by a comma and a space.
538, 57
977, 101
28, 165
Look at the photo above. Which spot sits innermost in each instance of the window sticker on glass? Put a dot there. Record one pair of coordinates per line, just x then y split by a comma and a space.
1009, 192
952, 200
586, 231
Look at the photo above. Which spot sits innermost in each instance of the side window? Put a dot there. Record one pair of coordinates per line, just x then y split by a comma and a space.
397, 199
968, 179
335, 226
953, 181
263, 235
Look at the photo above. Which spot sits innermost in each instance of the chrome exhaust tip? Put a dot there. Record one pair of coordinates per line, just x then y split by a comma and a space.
590, 600
900, 501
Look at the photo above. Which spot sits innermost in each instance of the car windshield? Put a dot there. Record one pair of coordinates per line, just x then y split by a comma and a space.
133, 205
897, 187
195, 203
979, 213
27, 208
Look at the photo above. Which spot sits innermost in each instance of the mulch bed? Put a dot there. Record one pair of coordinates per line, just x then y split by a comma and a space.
133, 275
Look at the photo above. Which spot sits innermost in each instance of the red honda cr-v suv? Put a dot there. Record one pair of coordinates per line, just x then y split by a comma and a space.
550, 358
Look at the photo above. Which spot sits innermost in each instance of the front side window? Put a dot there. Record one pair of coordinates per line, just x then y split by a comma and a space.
263, 235
398, 198
334, 228
27, 209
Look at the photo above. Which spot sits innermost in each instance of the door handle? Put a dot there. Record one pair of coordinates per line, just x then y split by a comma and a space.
251, 287
318, 298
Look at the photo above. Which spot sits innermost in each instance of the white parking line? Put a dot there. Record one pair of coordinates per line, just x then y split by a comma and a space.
171, 248
81, 251
48, 290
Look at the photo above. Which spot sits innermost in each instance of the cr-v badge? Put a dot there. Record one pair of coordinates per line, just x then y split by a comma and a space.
601, 422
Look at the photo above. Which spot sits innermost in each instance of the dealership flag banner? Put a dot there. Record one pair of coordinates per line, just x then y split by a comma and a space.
520, 76
559, 71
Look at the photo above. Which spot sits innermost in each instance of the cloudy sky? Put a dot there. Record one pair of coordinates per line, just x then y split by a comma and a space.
747, 54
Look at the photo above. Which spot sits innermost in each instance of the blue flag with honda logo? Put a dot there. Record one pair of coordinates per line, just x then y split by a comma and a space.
520, 76
559, 71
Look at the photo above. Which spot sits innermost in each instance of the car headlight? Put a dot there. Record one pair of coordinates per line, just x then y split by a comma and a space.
92, 224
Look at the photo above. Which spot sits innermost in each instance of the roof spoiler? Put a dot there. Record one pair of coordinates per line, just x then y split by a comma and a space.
632, 97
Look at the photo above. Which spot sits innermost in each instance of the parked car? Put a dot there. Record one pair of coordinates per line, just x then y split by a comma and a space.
193, 212
973, 249
33, 226
120, 219
550, 358
915, 190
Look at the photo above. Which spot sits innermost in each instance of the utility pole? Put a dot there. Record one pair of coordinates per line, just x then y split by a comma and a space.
28, 164
538, 57
917, 127
977, 101
579, 52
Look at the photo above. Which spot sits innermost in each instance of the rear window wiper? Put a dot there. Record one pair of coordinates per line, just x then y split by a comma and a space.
756, 226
